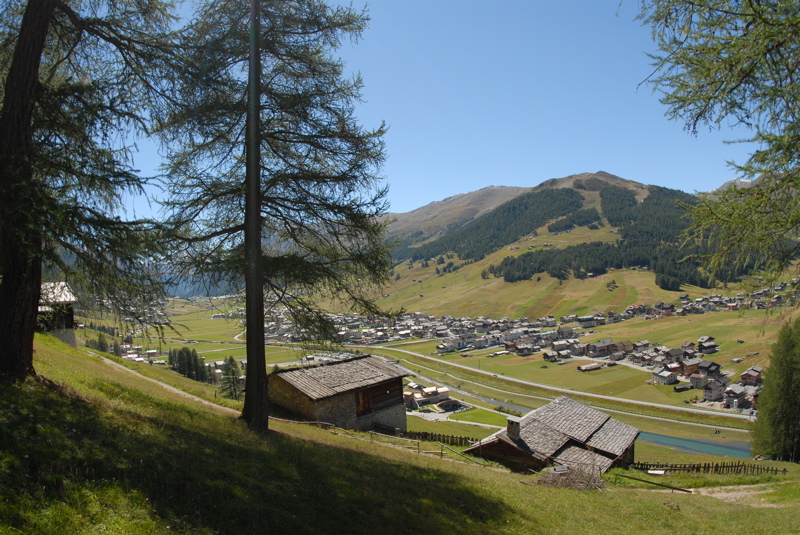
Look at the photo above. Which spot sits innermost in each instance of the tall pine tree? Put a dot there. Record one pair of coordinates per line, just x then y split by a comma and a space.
777, 429
320, 190
77, 78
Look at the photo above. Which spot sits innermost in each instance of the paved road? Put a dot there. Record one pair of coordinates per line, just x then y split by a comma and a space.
571, 392
464, 393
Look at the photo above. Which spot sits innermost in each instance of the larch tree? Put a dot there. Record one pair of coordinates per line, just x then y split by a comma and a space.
230, 383
731, 62
776, 433
76, 81
320, 192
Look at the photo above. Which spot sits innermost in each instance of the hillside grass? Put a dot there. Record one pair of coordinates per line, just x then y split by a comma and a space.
465, 293
103, 451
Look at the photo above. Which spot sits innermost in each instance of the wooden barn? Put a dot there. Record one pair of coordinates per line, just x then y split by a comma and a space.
564, 432
56, 314
357, 393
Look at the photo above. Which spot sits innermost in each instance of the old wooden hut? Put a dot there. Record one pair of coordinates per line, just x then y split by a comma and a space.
564, 432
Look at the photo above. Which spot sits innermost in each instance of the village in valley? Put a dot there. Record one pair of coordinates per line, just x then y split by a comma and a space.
353, 388
399, 383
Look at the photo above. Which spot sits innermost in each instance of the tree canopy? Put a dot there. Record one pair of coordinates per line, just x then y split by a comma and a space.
727, 62
777, 430
77, 81
320, 191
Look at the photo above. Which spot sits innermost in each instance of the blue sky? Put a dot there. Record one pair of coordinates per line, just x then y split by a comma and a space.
514, 92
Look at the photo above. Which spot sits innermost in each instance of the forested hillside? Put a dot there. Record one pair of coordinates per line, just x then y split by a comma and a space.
650, 234
503, 225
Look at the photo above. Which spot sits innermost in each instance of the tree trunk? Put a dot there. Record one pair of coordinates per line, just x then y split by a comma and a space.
20, 220
19, 305
256, 399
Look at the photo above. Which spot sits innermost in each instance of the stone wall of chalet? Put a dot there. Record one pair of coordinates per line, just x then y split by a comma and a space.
338, 410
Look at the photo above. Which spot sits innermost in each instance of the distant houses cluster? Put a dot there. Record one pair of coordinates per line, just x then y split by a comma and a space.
139, 354
670, 366
418, 396
459, 333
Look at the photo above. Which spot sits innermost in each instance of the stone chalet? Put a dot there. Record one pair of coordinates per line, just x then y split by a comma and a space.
690, 366
714, 390
736, 397
709, 369
603, 347
698, 381
626, 346
357, 393
564, 432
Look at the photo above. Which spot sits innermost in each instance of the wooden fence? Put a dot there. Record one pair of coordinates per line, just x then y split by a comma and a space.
740, 467
450, 440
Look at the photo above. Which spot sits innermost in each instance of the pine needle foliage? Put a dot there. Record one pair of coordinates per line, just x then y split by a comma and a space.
777, 430
731, 63
319, 168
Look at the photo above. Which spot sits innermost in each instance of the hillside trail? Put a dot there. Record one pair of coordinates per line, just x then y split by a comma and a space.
748, 495
208, 404
742, 494
197, 399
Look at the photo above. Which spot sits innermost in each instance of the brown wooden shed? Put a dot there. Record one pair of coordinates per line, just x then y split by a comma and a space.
564, 432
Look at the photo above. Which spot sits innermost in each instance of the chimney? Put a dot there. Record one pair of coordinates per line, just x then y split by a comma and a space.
512, 428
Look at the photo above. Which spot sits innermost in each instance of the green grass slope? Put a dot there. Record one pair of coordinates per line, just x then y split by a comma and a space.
466, 293
101, 450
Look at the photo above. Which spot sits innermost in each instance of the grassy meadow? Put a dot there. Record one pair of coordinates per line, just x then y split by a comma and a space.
96, 449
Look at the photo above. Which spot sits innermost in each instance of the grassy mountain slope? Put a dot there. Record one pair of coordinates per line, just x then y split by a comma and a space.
490, 213
465, 292
109, 452
438, 218
639, 227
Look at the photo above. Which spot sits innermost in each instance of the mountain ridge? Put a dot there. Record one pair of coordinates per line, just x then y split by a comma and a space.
438, 218
619, 223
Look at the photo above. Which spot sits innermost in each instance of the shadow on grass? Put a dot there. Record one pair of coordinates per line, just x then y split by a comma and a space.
170, 466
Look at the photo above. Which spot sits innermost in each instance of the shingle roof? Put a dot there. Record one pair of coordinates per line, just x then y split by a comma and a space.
539, 437
564, 429
581, 459
613, 437
319, 382
570, 417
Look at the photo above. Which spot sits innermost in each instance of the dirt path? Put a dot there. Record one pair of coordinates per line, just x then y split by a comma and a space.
751, 495
116, 365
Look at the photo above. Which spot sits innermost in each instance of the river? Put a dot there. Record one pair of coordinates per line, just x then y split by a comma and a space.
730, 448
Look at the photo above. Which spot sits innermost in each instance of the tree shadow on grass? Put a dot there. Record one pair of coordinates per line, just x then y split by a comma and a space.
197, 471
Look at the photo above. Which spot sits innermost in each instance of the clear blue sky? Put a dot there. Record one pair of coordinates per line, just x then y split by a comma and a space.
514, 92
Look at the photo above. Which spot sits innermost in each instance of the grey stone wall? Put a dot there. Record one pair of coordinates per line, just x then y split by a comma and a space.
338, 410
